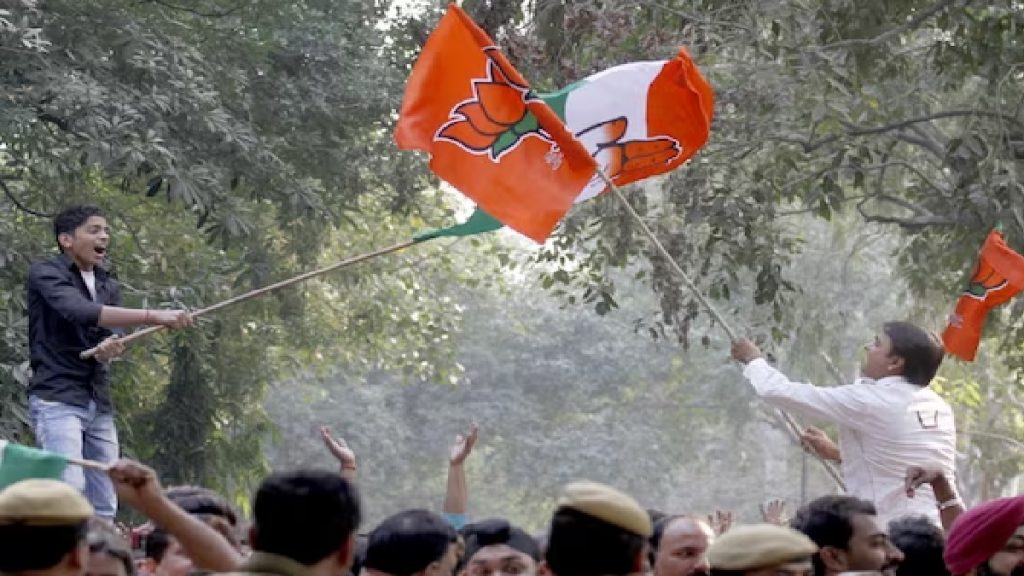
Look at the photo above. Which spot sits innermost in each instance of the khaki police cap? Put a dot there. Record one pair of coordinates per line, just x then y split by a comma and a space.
607, 504
759, 546
40, 502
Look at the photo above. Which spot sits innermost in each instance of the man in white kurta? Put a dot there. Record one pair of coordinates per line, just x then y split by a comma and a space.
888, 419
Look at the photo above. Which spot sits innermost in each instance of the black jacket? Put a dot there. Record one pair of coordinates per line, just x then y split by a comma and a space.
62, 321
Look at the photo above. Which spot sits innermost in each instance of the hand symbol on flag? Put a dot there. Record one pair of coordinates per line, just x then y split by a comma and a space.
630, 160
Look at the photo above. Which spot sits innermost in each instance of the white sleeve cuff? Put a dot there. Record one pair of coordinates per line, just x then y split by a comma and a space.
755, 367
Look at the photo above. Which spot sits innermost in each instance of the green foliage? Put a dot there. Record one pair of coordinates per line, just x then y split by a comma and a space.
231, 145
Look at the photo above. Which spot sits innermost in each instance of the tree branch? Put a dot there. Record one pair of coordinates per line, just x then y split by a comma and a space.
14, 200
219, 14
1007, 439
694, 18
909, 25
923, 220
923, 141
810, 145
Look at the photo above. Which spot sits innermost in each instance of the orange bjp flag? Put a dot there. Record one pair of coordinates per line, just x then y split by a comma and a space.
998, 277
487, 132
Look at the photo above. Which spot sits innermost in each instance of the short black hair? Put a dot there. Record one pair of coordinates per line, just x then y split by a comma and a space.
582, 545
30, 548
70, 218
922, 543
408, 542
828, 521
304, 515
103, 539
921, 352
155, 544
201, 502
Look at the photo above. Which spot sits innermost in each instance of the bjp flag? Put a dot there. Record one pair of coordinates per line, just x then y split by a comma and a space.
488, 134
998, 277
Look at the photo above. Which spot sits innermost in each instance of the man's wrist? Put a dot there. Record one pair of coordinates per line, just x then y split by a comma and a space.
157, 508
949, 503
943, 490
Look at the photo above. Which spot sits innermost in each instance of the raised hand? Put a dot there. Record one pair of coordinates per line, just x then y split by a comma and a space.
339, 449
136, 484
744, 351
774, 512
463, 446
720, 521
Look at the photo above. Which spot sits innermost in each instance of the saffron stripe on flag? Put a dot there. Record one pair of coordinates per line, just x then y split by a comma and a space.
18, 462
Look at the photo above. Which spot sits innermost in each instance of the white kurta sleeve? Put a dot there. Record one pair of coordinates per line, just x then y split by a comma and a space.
849, 405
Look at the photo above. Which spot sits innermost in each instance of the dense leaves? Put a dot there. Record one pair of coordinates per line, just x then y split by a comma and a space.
231, 144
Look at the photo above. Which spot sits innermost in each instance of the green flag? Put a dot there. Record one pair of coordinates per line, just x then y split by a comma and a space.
19, 462
478, 223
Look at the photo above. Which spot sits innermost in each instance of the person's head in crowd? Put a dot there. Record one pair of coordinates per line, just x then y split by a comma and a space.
988, 540
309, 517
597, 531
902, 349
496, 547
679, 546
762, 550
109, 553
921, 542
43, 527
211, 507
656, 516
849, 536
413, 542
164, 555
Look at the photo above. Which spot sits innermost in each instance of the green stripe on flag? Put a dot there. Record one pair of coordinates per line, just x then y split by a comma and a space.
19, 462
479, 223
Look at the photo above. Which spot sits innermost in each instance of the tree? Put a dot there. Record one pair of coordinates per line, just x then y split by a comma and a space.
231, 144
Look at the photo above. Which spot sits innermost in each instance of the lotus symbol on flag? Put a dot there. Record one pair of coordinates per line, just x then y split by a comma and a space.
495, 119
985, 280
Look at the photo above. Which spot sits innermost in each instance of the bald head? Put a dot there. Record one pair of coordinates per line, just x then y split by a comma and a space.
682, 547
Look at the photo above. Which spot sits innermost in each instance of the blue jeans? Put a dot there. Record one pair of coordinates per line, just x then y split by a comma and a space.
79, 433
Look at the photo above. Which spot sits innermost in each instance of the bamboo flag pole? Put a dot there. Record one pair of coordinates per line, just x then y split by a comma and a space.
266, 289
791, 424
92, 464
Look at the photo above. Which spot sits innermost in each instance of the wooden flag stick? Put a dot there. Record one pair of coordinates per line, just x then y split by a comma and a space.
266, 289
791, 424
91, 464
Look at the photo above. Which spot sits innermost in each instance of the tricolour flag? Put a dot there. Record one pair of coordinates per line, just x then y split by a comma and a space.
487, 133
998, 277
636, 120
19, 462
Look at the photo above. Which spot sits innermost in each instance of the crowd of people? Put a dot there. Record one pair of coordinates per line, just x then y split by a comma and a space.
900, 514
308, 523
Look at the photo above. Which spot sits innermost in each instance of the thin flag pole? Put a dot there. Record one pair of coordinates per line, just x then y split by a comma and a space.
91, 464
791, 424
267, 289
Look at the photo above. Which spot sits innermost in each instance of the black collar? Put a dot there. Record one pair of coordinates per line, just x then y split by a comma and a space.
69, 263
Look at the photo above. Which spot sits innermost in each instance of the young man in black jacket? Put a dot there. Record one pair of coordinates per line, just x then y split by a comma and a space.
73, 305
